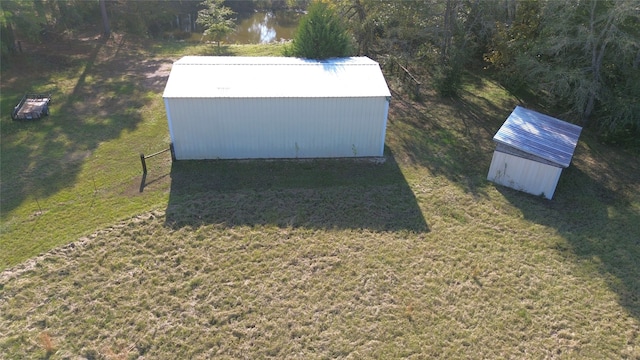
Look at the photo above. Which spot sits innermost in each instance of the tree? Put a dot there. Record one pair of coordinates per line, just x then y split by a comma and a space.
20, 17
578, 55
363, 19
105, 19
320, 34
216, 20
455, 29
514, 38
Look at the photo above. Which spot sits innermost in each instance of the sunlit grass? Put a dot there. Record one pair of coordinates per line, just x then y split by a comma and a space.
203, 49
63, 176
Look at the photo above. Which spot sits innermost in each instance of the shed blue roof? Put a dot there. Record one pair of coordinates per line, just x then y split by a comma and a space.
539, 135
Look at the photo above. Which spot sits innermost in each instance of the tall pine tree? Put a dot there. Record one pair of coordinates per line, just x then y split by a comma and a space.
216, 20
320, 35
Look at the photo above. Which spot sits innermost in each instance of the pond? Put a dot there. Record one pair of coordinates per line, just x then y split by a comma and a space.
265, 27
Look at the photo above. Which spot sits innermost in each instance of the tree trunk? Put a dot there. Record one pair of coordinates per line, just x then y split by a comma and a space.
510, 11
365, 31
598, 48
105, 19
447, 32
8, 37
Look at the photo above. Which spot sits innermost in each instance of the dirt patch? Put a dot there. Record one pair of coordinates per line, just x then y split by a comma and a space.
76, 156
156, 74
118, 55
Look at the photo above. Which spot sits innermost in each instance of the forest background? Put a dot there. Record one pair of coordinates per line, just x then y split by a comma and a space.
579, 59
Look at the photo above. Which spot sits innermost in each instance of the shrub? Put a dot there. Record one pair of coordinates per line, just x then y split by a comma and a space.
320, 35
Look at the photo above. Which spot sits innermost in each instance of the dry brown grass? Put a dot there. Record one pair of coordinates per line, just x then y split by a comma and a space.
46, 341
483, 282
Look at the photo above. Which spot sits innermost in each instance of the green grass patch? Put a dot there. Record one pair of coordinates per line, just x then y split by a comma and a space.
76, 170
185, 48
417, 256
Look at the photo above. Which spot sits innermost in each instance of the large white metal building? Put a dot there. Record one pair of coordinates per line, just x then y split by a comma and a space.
531, 151
276, 107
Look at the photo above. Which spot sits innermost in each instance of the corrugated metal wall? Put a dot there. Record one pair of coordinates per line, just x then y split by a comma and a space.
523, 174
231, 128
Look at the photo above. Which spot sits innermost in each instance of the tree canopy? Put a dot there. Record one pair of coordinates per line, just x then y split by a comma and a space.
216, 20
581, 57
320, 34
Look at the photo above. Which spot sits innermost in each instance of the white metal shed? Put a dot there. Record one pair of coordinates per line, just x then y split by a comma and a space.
276, 107
531, 151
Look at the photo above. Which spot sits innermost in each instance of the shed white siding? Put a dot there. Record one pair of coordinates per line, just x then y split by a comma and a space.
243, 108
532, 149
278, 128
524, 175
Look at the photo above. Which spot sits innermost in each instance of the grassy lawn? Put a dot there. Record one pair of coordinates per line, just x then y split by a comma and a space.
415, 257
79, 169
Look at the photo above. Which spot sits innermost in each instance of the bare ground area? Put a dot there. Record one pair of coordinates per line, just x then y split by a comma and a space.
119, 55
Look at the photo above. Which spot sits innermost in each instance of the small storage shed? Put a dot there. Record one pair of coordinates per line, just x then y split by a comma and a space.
276, 107
531, 151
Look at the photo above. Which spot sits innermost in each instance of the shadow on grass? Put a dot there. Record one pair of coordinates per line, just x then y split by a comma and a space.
39, 158
591, 208
320, 194
600, 226
450, 137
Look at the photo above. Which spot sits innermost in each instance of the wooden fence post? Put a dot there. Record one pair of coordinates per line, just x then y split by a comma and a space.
144, 163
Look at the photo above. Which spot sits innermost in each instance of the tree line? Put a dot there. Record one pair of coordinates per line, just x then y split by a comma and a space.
42, 20
581, 57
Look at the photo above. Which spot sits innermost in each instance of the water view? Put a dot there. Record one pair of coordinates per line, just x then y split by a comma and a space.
265, 27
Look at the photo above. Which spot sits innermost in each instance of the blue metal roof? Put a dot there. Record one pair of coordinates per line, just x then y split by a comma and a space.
539, 135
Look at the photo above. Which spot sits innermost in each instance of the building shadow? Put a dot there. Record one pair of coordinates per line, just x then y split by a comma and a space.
598, 224
320, 194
